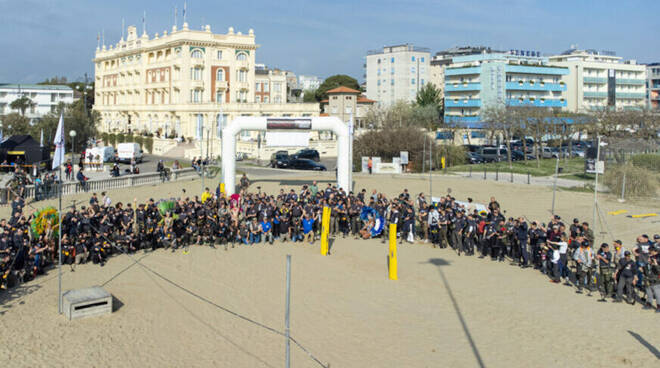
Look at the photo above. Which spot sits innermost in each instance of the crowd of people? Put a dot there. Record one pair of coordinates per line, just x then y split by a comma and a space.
99, 229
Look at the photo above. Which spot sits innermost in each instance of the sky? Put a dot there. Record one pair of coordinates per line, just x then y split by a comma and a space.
45, 38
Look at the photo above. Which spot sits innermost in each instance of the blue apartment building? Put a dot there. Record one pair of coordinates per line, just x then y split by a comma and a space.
476, 82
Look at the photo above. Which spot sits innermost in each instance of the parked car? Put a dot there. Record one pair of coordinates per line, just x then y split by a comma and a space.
306, 164
474, 158
517, 155
126, 152
548, 152
279, 159
493, 154
310, 154
471, 147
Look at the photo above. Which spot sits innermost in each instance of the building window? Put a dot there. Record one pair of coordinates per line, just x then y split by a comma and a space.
277, 99
392, 82
257, 99
219, 55
412, 81
413, 58
257, 87
195, 95
277, 86
392, 59
392, 71
196, 54
265, 99
220, 74
242, 75
196, 73
266, 86
219, 96
422, 82
378, 83
422, 59
241, 56
412, 70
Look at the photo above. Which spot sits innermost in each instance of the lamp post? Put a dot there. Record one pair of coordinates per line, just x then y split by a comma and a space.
72, 134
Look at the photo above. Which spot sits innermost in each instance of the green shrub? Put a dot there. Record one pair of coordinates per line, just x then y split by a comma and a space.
454, 155
640, 182
112, 140
139, 140
121, 138
647, 161
149, 144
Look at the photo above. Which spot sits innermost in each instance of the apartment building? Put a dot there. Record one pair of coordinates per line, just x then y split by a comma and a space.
396, 73
599, 79
45, 98
477, 82
653, 85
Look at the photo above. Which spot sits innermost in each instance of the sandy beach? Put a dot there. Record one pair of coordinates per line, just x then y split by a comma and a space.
444, 311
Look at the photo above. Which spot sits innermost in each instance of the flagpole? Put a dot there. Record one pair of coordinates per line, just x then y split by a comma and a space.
59, 248
57, 162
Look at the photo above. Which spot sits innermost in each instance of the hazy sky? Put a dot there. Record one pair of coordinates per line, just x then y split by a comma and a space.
44, 38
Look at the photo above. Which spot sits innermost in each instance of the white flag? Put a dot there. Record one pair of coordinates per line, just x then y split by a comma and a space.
42, 138
59, 144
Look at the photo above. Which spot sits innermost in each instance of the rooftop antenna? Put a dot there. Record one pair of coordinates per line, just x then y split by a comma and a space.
122, 29
103, 37
176, 11
185, 5
144, 22
98, 40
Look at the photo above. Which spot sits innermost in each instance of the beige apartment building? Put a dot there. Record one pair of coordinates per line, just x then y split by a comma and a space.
344, 103
169, 82
598, 79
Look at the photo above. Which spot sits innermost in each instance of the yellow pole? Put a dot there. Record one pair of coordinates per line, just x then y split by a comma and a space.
324, 231
442, 162
222, 189
392, 255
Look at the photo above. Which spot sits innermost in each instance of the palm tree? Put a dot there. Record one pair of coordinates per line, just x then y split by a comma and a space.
22, 103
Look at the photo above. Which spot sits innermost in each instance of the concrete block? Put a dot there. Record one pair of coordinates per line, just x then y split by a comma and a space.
81, 303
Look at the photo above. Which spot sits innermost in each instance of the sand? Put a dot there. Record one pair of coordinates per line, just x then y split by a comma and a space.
444, 311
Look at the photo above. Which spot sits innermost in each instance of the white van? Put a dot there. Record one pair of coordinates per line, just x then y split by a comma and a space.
106, 153
129, 151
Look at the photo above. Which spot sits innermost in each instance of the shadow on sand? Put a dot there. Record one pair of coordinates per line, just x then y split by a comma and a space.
439, 262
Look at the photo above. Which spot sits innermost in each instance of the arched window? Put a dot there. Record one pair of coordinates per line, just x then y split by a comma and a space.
241, 56
220, 74
197, 54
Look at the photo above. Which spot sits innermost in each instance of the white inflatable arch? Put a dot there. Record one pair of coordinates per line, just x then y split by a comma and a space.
339, 128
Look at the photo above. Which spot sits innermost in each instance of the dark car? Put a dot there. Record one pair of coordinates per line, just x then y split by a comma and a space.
471, 148
306, 164
517, 155
475, 158
310, 154
279, 159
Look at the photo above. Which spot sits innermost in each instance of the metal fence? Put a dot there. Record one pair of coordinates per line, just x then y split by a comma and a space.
51, 191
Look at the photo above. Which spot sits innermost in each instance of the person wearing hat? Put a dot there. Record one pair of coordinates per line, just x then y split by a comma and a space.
627, 273
652, 278
606, 265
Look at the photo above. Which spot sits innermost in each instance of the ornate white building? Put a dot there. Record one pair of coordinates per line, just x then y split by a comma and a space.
172, 81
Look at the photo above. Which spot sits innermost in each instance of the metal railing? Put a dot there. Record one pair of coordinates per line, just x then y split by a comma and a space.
47, 191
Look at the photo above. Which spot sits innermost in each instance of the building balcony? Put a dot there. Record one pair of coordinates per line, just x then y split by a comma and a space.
462, 86
462, 102
631, 95
595, 80
242, 85
197, 83
462, 119
636, 82
535, 86
536, 102
535, 69
463, 71
221, 84
593, 94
